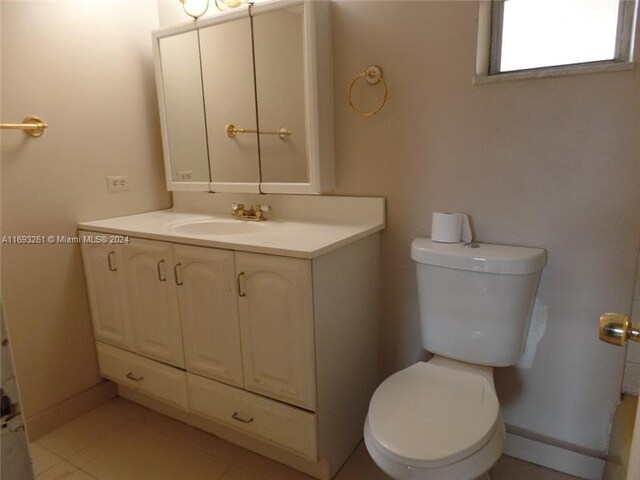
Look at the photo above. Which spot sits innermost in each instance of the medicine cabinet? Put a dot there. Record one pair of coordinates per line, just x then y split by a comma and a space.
246, 100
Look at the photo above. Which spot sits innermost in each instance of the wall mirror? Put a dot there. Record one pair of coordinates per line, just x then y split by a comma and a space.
246, 100
281, 94
183, 129
229, 97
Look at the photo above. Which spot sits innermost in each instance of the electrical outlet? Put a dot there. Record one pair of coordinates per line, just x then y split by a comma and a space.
184, 175
118, 183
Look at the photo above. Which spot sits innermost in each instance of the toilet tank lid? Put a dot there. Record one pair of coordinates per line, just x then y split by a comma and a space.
485, 258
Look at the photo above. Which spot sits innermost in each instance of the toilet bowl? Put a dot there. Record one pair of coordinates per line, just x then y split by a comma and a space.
437, 420
440, 420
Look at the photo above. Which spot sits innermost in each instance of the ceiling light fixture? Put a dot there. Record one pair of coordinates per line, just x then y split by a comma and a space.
227, 4
195, 8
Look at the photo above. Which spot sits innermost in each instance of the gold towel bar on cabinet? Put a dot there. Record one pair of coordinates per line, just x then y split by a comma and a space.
232, 131
373, 75
32, 125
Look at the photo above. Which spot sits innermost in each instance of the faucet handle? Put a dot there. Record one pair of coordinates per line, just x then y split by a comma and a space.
237, 208
259, 211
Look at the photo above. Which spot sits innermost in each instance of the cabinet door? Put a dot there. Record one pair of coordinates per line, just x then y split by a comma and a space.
226, 54
182, 112
106, 287
153, 301
276, 324
209, 308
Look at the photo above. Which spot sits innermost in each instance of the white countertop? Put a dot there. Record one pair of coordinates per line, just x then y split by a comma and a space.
291, 238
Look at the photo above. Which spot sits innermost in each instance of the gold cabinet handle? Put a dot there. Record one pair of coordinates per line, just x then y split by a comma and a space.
617, 329
159, 267
232, 131
112, 267
241, 292
237, 417
131, 376
176, 274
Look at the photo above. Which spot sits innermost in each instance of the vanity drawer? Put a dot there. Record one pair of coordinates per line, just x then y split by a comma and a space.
285, 426
160, 381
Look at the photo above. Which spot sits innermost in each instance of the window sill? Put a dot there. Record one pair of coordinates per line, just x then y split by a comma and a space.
560, 71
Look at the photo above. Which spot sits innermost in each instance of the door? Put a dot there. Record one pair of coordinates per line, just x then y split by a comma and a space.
276, 324
617, 329
209, 308
106, 287
153, 302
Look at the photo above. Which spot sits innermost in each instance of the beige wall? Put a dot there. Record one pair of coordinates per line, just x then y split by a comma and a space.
171, 13
552, 163
86, 68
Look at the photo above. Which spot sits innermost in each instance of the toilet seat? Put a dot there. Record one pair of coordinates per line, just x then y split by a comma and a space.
430, 415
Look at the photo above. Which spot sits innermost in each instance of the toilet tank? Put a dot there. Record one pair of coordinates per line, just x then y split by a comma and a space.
475, 303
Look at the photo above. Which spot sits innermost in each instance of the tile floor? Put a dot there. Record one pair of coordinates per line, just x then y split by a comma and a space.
124, 441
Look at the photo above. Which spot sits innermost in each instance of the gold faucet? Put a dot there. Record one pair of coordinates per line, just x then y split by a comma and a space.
254, 214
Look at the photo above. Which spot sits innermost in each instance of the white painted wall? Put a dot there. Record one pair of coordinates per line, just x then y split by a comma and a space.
86, 68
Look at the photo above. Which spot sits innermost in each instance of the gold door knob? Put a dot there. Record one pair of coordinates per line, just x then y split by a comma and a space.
617, 329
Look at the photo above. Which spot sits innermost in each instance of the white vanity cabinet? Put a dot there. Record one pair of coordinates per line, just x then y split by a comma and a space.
290, 428
159, 381
206, 282
276, 317
153, 303
104, 274
275, 353
187, 307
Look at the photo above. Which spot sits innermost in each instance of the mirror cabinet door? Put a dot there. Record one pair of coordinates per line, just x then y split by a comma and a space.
229, 96
185, 138
281, 94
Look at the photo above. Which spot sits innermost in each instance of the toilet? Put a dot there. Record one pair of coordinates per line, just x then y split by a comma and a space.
440, 420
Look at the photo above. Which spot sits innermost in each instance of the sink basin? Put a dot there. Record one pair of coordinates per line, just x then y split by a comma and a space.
217, 227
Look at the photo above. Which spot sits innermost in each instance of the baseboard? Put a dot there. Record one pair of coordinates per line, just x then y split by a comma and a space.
555, 458
69, 409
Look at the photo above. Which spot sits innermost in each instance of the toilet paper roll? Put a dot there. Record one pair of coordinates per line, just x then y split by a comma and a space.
450, 227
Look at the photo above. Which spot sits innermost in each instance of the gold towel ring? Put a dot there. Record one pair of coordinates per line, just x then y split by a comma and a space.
373, 74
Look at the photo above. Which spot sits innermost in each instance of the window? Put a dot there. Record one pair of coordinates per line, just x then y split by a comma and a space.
536, 34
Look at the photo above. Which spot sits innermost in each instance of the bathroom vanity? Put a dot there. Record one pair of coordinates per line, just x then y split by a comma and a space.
264, 333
